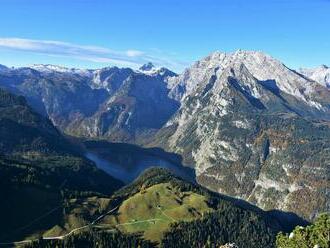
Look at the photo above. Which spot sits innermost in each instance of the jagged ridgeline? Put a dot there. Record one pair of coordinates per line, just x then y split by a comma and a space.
117, 103
166, 211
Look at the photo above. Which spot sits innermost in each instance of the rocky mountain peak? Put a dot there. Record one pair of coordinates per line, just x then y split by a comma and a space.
261, 66
150, 69
224, 58
202, 70
319, 74
147, 67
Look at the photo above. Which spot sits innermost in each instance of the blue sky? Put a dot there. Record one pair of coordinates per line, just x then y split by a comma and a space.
173, 33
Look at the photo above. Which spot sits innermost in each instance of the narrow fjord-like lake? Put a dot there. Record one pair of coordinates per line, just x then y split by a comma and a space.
127, 173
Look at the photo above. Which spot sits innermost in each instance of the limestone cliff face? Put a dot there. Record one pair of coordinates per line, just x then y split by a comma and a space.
252, 129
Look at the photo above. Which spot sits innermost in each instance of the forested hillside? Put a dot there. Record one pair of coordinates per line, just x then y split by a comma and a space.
163, 210
315, 235
39, 170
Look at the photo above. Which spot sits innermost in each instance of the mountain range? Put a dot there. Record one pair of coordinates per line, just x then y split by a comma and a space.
111, 102
249, 126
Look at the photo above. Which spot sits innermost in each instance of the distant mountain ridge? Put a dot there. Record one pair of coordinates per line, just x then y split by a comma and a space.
96, 102
320, 74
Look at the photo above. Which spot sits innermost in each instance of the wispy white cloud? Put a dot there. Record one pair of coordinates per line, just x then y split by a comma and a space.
134, 53
131, 57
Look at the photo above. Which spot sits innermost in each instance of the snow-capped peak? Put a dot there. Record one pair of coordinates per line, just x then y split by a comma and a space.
320, 74
147, 67
50, 68
47, 68
150, 69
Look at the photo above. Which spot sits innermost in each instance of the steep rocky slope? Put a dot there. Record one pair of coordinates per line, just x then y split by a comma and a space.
114, 103
267, 70
130, 112
253, 129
